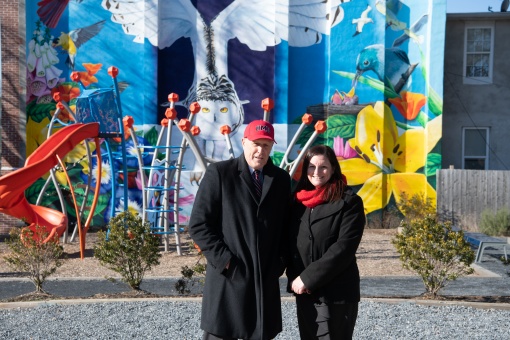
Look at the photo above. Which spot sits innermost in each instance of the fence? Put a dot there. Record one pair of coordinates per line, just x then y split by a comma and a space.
462, 195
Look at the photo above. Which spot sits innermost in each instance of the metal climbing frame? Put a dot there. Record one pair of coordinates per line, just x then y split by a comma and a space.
306, 119
101, 106
167, 161
320, 127
161, 189
56, 123
164, 172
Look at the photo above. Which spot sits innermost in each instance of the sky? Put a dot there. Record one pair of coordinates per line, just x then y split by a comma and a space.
469, 6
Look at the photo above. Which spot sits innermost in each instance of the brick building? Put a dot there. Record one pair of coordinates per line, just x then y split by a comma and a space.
12, 92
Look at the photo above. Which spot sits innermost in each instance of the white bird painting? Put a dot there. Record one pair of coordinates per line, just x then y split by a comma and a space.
411, 33
396, 25
256, 23
362, 21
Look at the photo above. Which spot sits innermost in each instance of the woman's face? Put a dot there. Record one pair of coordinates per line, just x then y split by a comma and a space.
319, 170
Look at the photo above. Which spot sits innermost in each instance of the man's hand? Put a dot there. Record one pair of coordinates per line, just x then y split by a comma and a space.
298, 286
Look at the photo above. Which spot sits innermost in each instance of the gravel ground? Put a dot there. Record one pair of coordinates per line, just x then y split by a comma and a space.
171, 319
181, 320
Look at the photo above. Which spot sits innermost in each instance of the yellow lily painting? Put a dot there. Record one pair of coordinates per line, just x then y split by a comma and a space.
389, 158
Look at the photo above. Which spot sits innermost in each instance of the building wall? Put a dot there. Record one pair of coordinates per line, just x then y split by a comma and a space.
412, 121
484, 105
12, 14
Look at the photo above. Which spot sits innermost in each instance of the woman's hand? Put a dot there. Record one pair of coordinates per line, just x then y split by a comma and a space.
298, 286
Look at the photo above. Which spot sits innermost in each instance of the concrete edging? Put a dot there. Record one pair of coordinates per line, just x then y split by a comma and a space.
433, 303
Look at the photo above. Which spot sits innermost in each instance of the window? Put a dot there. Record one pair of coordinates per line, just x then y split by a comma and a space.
475, 148
479, 48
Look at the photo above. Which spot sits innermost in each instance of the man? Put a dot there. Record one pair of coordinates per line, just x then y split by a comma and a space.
241, 236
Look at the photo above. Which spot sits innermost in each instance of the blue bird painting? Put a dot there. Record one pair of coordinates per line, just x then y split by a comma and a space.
389, 64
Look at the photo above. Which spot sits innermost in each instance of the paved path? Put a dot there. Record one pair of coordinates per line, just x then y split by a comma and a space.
384, 287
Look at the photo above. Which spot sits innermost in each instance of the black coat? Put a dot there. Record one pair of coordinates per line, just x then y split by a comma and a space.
229, 224
323, 248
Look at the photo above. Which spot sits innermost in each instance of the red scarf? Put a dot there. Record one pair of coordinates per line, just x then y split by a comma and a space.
311, 198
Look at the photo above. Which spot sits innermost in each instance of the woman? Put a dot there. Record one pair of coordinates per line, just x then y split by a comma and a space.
327, 222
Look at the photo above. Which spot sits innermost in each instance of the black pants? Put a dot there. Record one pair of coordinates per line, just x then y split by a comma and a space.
325, 321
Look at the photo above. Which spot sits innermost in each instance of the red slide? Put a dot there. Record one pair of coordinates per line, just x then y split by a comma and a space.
43, 159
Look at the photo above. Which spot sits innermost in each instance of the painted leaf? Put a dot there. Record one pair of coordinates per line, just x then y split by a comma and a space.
374, 83
40, 111
102, 203
152, 136
433, 164
277, 158
32, 193
435, 102
341, 125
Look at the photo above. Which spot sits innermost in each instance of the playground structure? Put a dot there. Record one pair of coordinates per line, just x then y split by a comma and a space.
99, 115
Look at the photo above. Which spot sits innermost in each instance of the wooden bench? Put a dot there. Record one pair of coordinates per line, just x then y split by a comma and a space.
483, 241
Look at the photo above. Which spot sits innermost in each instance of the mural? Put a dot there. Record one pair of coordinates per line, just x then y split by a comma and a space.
372, 69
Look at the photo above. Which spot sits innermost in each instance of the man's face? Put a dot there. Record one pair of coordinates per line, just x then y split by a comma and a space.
257, 152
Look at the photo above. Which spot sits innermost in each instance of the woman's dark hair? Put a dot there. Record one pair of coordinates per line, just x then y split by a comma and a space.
335, 185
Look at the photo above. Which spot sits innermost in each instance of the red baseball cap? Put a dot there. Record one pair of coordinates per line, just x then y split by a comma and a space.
259, 129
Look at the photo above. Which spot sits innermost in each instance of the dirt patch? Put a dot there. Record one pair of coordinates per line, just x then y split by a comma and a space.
170, 262
376, 257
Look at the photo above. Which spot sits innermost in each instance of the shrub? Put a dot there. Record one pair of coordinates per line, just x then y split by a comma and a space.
497, 224
416, 206
188, 280
31, 256
434, 251
129, 248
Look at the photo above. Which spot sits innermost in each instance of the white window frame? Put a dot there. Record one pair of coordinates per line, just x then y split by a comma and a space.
478, 80
486, 156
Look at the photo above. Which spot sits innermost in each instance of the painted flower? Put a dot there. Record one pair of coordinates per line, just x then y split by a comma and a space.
36, 133
106, 177
42, 57
132, 153
132, 163
127, 132
343, 150
389, 161
133, 207
409, 104
67, 91
52, 76
37, 85
138, 180
131, 180
64, 116
88, 77
45, 97
183, 201
79, 154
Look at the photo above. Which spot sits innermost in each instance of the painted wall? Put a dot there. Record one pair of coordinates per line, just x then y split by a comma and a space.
343, 61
